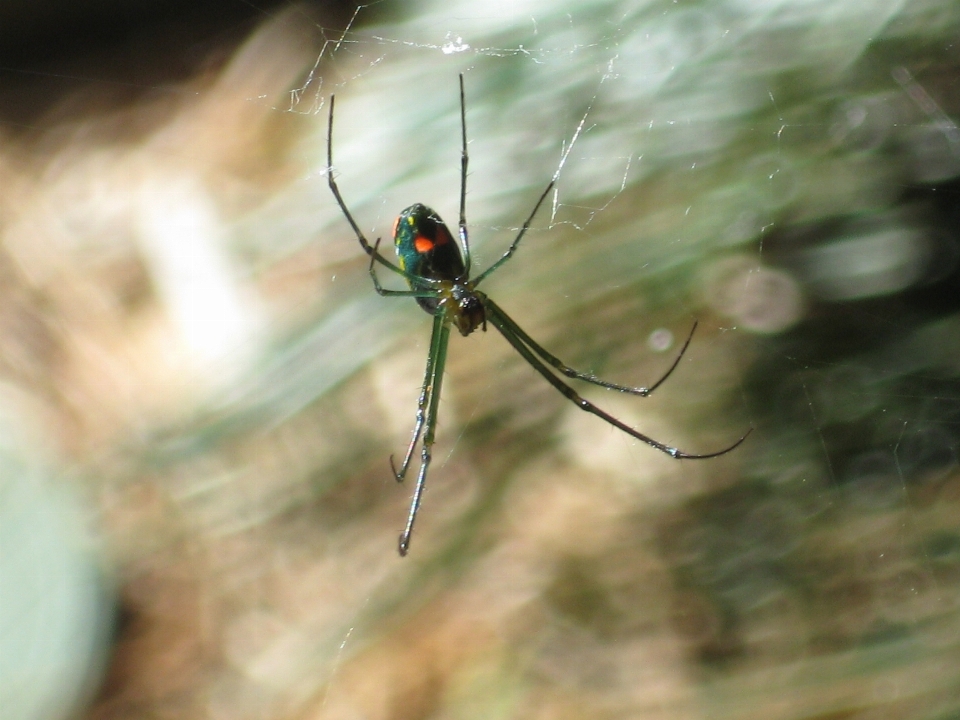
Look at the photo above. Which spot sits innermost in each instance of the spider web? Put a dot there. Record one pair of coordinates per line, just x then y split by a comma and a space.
697, 147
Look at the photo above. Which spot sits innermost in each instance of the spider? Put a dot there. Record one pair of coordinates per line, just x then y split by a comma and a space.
438, 275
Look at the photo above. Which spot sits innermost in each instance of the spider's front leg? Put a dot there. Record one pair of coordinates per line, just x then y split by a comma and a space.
535, 356
427, 391
569, 372
426, 420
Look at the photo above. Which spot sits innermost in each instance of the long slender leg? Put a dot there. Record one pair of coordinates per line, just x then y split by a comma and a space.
516, 241
431, 425
367, 248
495, 316
569, 372
464, 160
383, 292
437, 339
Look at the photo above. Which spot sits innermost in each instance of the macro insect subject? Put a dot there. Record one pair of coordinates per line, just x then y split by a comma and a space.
438, 276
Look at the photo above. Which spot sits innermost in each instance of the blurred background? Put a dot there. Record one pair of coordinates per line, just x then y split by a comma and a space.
200, 390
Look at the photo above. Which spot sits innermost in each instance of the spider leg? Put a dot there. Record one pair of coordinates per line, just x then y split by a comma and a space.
569, 372
383, 292
426, 420
496, 316
426, 391
364, 243
516, 241
464, 160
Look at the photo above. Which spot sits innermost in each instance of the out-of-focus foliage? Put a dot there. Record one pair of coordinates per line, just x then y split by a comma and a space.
189, 323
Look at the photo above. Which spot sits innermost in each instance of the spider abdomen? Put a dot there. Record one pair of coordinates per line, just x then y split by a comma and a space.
425, 246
